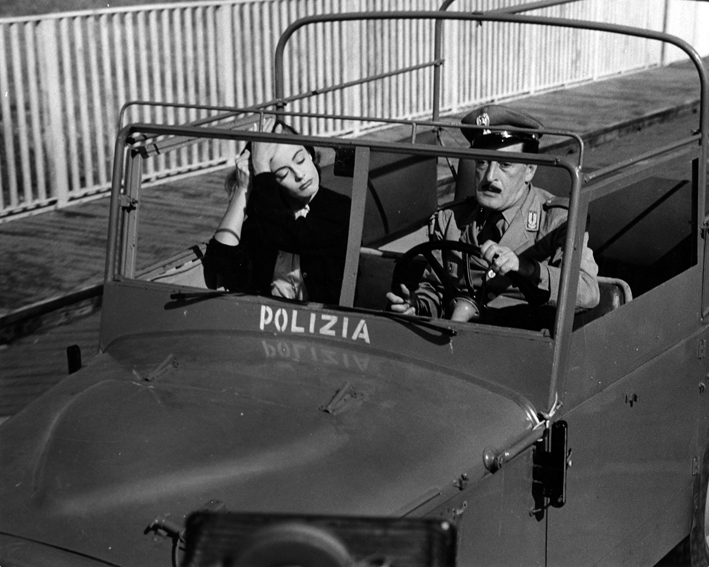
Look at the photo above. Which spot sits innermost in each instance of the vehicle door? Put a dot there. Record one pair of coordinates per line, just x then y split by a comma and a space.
633, 390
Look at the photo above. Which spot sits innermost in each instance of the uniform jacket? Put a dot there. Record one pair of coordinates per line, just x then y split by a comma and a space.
320, 238
537, 231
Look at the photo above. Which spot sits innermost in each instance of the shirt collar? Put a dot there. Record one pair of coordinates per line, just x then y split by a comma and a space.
302, 213
509, 214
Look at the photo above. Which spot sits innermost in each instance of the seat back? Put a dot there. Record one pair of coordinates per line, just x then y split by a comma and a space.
401, 194
614, 292
644, 234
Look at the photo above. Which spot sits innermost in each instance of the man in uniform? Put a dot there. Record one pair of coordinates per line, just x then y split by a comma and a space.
519, 228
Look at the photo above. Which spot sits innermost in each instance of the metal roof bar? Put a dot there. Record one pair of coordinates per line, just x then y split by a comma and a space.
279, 82
438, 39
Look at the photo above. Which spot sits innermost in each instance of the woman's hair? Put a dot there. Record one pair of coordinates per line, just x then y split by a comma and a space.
288, 129
230, 179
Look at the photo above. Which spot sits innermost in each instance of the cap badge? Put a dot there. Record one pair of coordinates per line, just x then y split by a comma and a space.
533, 220
483, 119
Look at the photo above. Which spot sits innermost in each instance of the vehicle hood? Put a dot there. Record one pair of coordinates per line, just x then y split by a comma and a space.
163, 424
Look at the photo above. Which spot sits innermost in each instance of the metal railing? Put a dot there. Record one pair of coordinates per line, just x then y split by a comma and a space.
64, 77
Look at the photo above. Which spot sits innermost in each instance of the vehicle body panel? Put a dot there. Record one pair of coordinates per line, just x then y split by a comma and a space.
610, 348
18, 552
135, 307
643, 486
494, 520
255, 427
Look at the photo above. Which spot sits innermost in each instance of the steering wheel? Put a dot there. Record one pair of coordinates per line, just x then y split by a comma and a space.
451, 290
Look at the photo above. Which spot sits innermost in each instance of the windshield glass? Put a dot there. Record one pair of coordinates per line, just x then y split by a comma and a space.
408, 230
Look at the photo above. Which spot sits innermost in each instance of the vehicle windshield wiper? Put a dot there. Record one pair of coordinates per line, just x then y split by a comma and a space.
418, 322
182, 298
413, 320
201, 294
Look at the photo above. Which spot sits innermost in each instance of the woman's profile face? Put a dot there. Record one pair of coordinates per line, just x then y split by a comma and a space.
295, 171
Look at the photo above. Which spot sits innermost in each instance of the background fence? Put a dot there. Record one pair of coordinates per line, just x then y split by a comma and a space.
64, 77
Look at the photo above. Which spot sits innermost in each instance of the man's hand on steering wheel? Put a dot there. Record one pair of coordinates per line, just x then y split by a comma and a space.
407, 303
402, 304
503, 260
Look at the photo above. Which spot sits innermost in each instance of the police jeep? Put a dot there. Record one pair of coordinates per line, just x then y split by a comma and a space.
218, 428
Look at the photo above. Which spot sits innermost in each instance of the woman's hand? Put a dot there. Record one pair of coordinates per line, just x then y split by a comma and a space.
243, 173
239, 181
263, 152
238, 186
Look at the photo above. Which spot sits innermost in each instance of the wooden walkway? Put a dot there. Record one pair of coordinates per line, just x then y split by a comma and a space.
58, 252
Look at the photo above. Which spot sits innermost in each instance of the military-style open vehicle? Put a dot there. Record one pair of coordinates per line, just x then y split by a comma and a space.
348, 434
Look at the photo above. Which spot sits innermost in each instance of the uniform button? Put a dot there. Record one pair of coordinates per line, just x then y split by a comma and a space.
305, 274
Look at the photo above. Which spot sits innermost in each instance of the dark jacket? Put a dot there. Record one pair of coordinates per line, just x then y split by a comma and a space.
320, 239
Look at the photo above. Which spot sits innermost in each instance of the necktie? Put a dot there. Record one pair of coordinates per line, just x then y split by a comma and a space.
491, 228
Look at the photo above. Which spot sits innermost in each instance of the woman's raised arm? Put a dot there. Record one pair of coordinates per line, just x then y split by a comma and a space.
238, 185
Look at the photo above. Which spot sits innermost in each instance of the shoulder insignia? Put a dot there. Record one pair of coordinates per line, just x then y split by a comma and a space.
532, 220
562, 202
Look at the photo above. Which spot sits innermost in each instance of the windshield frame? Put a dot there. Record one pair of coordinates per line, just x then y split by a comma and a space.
138, 142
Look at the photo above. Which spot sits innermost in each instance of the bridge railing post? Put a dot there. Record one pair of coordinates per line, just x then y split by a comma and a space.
226, 75
55, 139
